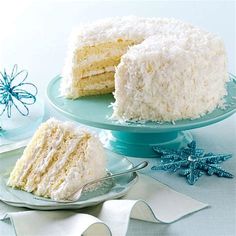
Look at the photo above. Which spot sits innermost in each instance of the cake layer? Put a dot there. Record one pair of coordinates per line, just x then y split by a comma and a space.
98, 89
108, 49
58, 161
105, 65
95, 84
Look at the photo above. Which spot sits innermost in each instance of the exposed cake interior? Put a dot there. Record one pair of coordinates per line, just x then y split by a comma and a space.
59, 159
93, 67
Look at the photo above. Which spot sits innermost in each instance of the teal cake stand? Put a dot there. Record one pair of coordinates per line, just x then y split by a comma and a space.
134, 138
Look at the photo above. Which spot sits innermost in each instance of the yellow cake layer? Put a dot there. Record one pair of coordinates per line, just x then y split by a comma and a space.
102, 48
100, 84
94, 79
88, 92
80, 71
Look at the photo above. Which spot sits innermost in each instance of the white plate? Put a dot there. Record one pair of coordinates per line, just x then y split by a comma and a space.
116, 163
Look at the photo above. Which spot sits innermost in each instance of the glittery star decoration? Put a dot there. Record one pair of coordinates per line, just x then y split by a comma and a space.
191, 162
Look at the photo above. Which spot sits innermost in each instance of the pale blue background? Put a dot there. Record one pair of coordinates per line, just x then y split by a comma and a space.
34, 35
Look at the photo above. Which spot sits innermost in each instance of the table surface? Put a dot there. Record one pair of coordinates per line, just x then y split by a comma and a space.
36, 39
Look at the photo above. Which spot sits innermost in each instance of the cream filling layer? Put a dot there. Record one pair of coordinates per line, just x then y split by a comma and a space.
97, 72
97, 57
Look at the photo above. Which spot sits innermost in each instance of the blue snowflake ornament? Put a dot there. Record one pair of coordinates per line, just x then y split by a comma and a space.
191, 162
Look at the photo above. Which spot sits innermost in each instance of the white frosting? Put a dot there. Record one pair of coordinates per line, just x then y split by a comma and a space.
126, 28
174, 78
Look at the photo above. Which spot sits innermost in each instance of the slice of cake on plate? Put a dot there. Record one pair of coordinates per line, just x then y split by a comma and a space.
58, 161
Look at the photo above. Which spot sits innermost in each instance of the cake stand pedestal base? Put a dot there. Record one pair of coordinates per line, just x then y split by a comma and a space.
141, 144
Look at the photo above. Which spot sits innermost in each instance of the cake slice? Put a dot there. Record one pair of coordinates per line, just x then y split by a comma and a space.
58, 161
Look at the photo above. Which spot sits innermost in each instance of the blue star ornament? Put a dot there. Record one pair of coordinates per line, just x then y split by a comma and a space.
14, 92
191, 162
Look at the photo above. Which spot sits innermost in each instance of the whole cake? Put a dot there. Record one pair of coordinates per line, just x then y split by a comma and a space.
159, 69
59, 159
